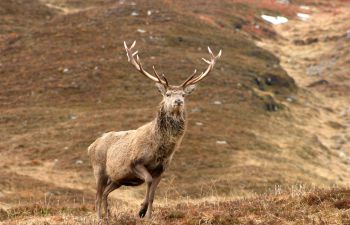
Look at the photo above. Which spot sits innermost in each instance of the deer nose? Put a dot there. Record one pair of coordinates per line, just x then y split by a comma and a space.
178, 102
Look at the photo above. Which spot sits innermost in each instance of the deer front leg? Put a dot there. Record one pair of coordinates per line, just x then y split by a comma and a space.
152, 192
142, 173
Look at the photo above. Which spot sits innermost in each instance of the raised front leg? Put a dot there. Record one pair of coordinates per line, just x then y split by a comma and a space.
152, 192
142, 173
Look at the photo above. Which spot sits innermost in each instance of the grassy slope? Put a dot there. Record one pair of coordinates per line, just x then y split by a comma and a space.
48, 114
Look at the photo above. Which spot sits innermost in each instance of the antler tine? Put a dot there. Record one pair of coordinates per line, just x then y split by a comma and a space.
164, 80
189, 78
137, 63
211, 63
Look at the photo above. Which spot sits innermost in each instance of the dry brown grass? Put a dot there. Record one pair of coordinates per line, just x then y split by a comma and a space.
294, 206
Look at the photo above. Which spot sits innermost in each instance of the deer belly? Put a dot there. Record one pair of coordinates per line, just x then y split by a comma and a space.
132, 181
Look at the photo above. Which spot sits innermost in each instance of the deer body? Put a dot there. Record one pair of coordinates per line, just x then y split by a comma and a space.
133, 157
153, 145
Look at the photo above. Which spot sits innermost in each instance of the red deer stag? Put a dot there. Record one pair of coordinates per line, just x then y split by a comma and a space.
133, 157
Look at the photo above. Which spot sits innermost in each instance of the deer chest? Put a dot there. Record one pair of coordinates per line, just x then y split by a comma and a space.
161, 158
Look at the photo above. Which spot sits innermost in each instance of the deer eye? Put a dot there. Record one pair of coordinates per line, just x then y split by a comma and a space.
167, 94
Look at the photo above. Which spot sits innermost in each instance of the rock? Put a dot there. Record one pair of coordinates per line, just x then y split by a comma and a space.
79, 162
290, 99
311, 40
3, 214
217, 103
73, 117
285, 2
134, 14
196, 109
308, 41
141, 30
259, 83
305, 7
342, 154
149, 12
221, 142
271, 106
318, 83
65, 70
199, 124
238, 26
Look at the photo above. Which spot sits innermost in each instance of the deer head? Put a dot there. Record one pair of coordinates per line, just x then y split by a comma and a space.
173, 95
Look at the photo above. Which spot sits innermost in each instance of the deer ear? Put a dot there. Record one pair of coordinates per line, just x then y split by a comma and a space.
161, 88
188, 89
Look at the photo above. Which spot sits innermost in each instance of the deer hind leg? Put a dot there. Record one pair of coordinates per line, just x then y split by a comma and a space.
142, 173
101, 181
110, 187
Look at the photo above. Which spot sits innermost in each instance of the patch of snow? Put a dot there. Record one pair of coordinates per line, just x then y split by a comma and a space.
275, 19
303, 16
217, 102
65, 70
199, 124
149, 12
134, 14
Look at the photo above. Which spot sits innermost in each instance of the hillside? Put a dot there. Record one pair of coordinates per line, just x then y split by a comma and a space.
65, 80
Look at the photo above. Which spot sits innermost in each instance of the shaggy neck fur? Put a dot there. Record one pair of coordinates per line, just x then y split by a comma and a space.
170, 124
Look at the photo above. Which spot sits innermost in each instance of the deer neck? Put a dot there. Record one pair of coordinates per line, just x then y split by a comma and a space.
169, 124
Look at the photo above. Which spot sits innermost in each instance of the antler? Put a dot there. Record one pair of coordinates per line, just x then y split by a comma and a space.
192, 79
137, 64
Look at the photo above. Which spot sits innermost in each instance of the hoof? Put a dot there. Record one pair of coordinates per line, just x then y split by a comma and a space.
142, 212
